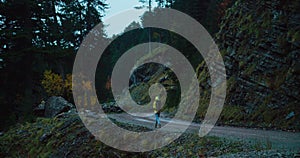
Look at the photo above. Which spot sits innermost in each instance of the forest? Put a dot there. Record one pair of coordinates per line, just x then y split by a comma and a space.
259, 41
39, 40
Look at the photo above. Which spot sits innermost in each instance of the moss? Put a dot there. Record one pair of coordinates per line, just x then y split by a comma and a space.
46, 154
296, 37
256, 115
230, 84
242, 50
232, 113
241, 64
268, 116
140, 93
266, 20
276, 81
265, 116
250, 69
203, 76
223, 53
201, 111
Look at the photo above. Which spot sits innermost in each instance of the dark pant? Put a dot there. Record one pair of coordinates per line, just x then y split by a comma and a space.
157, 121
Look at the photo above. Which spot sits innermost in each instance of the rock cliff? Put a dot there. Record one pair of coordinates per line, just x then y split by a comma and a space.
260, 44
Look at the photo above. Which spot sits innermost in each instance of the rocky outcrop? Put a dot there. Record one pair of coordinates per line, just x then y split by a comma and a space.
260, 44
111, 107
262, 51
55, 106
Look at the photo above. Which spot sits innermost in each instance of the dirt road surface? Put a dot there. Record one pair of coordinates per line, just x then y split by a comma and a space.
278, 140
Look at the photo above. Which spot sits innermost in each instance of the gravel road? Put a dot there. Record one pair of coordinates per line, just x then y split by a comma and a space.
276, 140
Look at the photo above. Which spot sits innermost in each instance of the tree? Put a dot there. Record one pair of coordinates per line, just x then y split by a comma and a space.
18, 31
35, 36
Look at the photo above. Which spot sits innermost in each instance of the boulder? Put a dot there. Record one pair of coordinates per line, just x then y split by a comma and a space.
111, 107
290, 115
57, 105
44, 137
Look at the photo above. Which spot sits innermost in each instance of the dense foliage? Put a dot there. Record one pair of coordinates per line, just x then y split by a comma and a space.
55, 85
36, 36
39, 40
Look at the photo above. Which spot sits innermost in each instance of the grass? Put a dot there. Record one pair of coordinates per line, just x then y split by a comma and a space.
262, 116
250, 69
260, 145
68, 136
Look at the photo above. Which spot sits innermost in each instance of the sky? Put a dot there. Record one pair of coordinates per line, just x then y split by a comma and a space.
114, 26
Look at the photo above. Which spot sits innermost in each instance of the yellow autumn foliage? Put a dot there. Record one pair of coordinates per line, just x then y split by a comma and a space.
54, 84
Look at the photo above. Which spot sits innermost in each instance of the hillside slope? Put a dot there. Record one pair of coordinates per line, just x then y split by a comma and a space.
260, 44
